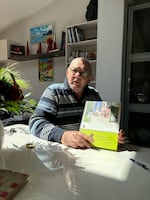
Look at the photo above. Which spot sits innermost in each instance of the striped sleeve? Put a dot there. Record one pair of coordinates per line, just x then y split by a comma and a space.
41, 123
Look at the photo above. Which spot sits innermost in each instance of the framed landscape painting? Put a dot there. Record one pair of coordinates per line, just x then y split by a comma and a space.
40, 33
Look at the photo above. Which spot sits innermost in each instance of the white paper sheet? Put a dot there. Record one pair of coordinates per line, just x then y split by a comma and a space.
107, 163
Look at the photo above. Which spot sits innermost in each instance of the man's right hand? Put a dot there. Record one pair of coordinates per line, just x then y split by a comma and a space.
76, 139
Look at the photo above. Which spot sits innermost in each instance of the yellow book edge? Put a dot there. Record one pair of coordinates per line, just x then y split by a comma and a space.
101, 139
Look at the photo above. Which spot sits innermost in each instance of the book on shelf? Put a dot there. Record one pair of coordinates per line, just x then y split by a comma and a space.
69, 35
11, 183
79, 34
101, 119
73, 34
63, 40
53, 50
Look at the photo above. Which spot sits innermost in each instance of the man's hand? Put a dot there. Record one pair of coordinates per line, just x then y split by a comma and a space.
121, 137
76, 139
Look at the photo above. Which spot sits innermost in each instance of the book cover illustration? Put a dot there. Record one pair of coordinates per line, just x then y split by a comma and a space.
10, 183
101, 119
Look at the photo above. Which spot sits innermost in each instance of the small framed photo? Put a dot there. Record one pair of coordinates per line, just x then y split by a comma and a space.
46, 70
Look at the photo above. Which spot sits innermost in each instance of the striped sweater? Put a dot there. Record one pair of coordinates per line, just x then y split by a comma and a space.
59, 110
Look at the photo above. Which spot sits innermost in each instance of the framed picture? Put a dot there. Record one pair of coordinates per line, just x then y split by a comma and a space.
40, 33
46, 71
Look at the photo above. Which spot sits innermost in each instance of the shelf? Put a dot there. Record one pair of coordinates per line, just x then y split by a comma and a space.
85, 43
85, 25
51, 54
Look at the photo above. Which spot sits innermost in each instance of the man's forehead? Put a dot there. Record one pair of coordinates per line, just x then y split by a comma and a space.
77, 62
79, 65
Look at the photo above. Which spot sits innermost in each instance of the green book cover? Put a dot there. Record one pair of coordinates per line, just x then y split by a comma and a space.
102, 119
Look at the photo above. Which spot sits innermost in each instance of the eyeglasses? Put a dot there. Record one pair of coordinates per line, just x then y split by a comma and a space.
83, 74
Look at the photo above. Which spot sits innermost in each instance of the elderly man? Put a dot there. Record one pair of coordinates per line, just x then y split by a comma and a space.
60, 108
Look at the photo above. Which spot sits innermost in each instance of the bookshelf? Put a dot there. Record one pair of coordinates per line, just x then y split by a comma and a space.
81, 41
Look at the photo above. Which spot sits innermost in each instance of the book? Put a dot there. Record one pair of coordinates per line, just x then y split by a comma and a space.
69, 35
63, 41
11, 183
102, 119
53, 50
73, 34
80, 36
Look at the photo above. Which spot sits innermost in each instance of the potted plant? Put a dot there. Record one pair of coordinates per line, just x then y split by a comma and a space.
12, 100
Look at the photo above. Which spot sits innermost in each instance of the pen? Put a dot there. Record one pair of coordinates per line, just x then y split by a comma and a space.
139, 164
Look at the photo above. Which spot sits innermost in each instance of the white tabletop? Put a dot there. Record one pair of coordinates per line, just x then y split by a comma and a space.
58, 172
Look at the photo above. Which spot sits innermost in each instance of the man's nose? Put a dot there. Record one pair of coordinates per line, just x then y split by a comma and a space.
78, 73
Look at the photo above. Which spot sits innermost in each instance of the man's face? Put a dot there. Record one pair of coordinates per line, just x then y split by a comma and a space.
78, 76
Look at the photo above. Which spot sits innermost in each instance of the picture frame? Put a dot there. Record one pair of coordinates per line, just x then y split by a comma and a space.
46, 71
41, 33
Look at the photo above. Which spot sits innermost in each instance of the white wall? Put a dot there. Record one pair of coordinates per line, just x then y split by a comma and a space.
60, 14
109, 53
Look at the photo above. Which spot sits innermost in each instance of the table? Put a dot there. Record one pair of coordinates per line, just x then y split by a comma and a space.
58, 172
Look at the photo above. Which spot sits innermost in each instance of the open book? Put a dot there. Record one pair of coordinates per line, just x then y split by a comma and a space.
102, 119
10, 183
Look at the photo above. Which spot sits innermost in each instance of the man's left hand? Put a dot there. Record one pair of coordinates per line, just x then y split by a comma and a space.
121, 137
